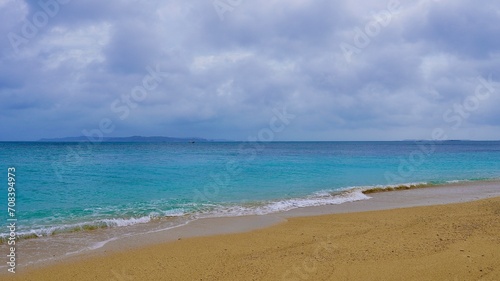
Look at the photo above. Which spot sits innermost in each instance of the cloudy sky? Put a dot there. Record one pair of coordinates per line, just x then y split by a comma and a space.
345, 69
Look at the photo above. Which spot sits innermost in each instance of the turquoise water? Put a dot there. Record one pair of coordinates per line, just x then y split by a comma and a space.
64, 187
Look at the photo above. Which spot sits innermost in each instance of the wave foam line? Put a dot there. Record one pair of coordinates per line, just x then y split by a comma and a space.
317, 199
83, 226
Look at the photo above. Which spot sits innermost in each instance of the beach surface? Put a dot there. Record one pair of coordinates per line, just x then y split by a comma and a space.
402, 235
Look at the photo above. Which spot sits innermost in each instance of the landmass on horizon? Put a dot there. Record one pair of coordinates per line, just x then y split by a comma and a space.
129, 139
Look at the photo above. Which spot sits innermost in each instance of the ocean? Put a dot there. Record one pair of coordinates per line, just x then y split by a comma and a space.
66, 188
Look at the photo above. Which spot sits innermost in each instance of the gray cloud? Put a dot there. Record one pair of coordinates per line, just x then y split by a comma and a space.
223, 78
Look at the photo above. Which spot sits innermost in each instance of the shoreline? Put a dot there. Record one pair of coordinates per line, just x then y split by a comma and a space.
207, 227
336, 197
440, 242
260, 207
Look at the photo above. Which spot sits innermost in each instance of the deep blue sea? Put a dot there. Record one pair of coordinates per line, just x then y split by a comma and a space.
66, 187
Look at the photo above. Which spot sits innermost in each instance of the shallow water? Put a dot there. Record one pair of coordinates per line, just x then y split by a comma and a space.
62, 188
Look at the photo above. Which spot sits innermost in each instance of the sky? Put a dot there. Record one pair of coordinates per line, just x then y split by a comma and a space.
250, 70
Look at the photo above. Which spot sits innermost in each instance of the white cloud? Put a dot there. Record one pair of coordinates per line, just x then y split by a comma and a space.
80, 46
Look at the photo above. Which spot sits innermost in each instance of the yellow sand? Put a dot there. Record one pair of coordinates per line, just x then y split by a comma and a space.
447, 242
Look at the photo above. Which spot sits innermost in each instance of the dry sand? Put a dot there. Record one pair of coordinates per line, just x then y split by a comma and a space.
444, 242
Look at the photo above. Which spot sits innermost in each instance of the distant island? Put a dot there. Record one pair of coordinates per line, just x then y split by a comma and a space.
128, 139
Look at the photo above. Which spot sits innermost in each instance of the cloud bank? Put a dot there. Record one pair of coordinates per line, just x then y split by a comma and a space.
348, 70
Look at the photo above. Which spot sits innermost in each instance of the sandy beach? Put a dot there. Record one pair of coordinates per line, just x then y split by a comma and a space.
457, 241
